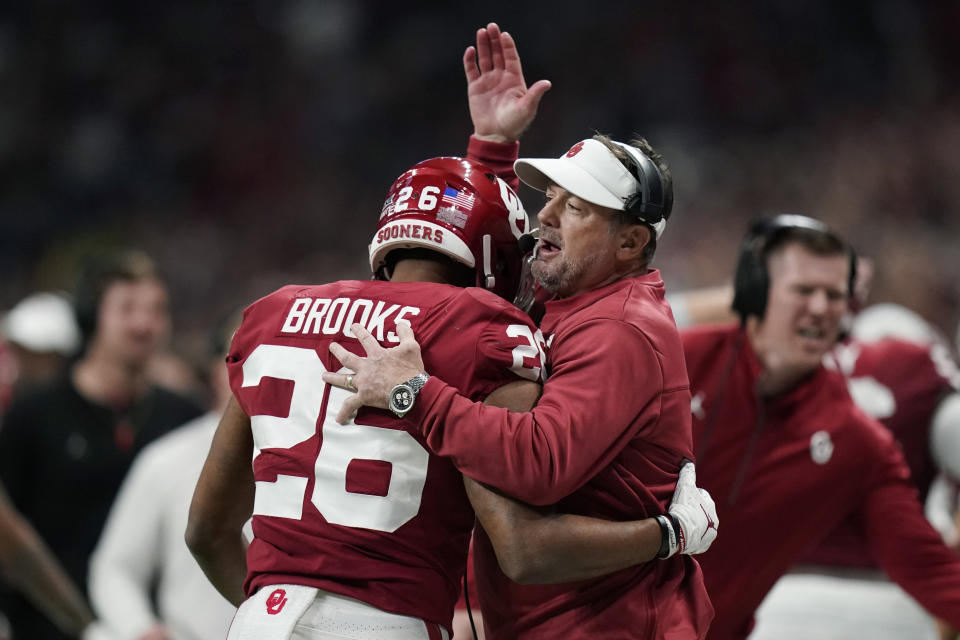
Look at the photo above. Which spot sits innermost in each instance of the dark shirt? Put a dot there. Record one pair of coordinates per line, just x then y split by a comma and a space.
62, 460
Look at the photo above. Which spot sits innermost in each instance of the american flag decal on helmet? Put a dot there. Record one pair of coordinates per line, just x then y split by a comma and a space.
387, 208
462, 199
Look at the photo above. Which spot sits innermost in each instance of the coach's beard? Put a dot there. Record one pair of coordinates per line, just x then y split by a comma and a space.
558, 274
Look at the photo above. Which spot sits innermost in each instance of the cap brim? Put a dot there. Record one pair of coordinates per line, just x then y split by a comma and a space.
540, 173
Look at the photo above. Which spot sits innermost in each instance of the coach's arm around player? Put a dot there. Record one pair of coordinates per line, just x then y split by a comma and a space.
534, 545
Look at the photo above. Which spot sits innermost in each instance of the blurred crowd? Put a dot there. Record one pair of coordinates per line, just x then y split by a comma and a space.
246, 145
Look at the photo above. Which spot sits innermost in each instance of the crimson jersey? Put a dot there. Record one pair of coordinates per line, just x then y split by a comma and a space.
900, 383
784, 471
606, 439
363, 509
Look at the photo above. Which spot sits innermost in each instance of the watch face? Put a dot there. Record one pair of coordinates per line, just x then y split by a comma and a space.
402, 399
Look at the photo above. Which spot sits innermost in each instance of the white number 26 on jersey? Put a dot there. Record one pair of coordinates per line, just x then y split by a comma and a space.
340, 445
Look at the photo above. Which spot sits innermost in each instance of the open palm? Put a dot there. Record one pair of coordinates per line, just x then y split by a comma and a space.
501, 104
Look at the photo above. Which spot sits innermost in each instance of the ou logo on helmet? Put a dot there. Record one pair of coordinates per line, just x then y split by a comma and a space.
518, 216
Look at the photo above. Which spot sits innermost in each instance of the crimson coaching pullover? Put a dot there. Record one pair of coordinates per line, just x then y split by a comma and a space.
784, 471
606, 439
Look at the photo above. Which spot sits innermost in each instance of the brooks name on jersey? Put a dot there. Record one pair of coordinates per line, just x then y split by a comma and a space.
333, 316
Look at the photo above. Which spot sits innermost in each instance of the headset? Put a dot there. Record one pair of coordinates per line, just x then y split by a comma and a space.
751, 283
97, 273
87, 295
653, 201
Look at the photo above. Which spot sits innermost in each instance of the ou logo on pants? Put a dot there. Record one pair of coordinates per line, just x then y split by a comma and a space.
276, 601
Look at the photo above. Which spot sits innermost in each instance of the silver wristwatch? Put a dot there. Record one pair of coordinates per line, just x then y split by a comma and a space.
404, 394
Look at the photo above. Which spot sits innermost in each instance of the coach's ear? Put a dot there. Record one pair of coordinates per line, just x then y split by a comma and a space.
633, 239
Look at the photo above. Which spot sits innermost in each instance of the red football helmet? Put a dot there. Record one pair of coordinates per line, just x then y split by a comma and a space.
461, 209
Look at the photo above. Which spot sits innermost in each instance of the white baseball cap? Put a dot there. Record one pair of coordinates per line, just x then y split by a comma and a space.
590, 171
42, 322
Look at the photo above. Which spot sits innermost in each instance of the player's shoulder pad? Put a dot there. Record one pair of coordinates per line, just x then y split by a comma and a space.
281, 297
283, 293
486, 304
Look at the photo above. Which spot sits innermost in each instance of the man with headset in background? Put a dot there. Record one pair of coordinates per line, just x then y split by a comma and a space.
780, 443
898, 369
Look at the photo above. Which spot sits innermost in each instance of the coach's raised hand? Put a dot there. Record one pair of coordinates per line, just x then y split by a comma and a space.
376, 374
501, 104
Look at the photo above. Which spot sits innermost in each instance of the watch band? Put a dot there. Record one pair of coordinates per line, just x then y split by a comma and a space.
416, 382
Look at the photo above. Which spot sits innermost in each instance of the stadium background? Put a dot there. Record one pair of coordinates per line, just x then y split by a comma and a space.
250, 144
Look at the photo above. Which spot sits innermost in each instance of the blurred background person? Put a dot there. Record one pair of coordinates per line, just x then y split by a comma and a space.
65, 448
37, 338
900, 370
42, 335
172, 371
781, 443
28, 565
142, 556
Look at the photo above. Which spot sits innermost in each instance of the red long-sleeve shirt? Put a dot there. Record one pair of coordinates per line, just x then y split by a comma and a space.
785, 470
606, 439
498, 156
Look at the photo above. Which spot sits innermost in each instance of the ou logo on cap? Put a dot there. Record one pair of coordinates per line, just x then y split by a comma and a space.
575, 149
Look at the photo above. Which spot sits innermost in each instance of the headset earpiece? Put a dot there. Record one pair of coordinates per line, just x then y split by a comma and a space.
751, 282
654, 201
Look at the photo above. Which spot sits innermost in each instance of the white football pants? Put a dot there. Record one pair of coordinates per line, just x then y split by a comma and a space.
838, 606
296, 612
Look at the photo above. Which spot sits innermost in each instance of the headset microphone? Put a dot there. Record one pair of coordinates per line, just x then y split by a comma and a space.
528, 241
526, 291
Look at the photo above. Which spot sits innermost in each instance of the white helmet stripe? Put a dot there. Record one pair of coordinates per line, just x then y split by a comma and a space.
488, 278
414, 234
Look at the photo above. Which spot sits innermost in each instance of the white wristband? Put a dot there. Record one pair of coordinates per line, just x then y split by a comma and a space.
669, 545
